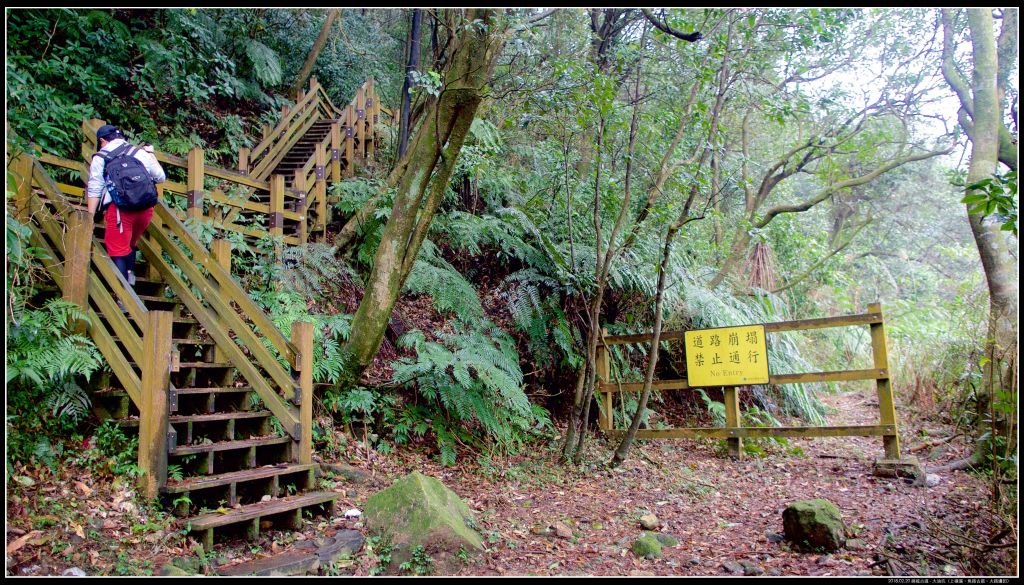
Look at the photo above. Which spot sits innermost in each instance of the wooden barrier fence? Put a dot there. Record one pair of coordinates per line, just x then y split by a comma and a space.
734, 432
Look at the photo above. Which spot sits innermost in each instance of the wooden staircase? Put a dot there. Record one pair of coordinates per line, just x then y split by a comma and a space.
220, 399
209, 401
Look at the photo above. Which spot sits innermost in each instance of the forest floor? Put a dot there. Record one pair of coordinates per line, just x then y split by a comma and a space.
723, 512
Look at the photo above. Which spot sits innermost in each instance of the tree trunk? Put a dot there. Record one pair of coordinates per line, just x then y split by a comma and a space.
307, 67
1000, 275
412, 64
429, 165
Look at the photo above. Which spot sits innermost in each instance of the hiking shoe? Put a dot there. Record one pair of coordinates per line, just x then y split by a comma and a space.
131, 278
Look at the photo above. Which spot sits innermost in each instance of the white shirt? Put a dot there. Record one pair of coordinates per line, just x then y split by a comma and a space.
97, 186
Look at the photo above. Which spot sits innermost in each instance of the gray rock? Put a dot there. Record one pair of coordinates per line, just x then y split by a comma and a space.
650, 522
173, 571
773, 572
694, 561
349, 472
932, 480
343, 544
750, 569
74, 572
856, 544
733, 567
814, 525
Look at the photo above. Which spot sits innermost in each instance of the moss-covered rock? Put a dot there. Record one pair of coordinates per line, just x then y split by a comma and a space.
647, 546
664, 539
814, 525
418, 510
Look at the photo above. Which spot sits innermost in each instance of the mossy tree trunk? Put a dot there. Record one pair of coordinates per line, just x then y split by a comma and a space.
423, 175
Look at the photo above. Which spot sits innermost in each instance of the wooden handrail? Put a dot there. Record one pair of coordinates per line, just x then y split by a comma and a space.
247, 306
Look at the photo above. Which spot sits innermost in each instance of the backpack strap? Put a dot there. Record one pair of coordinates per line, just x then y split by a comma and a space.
108, 156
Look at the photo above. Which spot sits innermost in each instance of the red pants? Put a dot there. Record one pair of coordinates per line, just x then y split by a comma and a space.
121, 240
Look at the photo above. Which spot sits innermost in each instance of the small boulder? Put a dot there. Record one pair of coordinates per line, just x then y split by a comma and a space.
814, 525
733, 567
751, 569
349, 472
932, 480
74, 572
173, 571
561, 530
665, 540
419, 511
647, 547
650, 522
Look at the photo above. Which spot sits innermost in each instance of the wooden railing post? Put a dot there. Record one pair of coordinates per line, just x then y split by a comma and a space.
301, 207
302, 338
77, 259
243, 161
220, 251
265, 133
335, 151
153, 425
350, 139
371, 107
602, 367
196, 174
732, 420
21, 167
886, 400
277, 210
321, 189
360, 124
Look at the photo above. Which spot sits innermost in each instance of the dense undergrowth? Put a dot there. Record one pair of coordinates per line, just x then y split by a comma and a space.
489, 363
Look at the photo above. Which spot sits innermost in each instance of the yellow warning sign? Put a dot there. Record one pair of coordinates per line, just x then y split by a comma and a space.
731, 356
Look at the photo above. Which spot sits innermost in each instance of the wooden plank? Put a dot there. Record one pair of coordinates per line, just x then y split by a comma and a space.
220, 416
763, 432
732, 419
252, 511
886, 401
777, 379
302, 337
801, 325
112, 278
230, 445
116, 320
153, 415
196, 174
115, 359
217, 390
228, 286
335, 147
78, 259
236, 178
360, 134
603, 371
285, 144
198, 483
370, 115
286, 413
224, 312
349, 137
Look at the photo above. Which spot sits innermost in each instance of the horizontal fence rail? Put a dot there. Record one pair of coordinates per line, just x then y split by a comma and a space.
734, 432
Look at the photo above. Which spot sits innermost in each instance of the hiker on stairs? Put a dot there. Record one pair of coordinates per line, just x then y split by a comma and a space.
126, 191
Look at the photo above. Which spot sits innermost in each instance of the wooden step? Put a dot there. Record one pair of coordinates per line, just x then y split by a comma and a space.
261, 509
229, 445
219, 390
208, 481
218, 416
193, 341
155, 299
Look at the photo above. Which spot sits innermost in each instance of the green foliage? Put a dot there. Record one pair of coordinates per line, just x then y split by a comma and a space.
995, 196
474, 382
113, 451
420, 563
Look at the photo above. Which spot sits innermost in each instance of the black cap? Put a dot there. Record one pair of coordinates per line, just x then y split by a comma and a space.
107, 132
